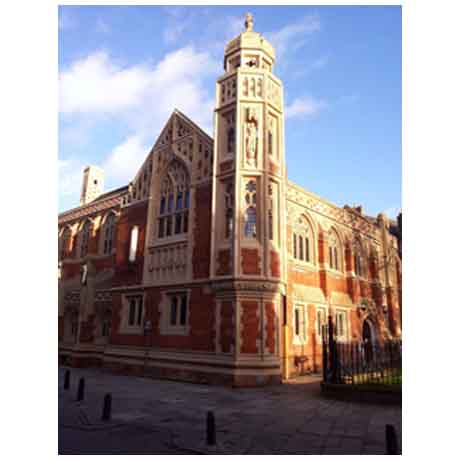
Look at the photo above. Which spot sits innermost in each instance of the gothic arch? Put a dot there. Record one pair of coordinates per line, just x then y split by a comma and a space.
335, 254
305, 237
173, 199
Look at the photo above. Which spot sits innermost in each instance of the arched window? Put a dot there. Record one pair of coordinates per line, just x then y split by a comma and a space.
84, 241
133, 243
109, 233
229, 210
174, 201
359, 258
231, 139
335, 251
303, 240
250, 225
250, 213
65, 242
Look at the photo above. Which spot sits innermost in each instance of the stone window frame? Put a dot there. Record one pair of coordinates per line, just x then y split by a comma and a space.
103, 227
342, 337
166, 328
250, 202
136, 328
298, 339
337, 251
298, 231
65, 240
324, 310
359, 251
173, 192
84, 239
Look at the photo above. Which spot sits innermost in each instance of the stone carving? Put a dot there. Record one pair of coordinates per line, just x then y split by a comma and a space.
249, 22
251, 137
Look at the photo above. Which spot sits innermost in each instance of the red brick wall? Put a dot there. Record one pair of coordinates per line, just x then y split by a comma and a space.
250, 261
201, 323
275, 264
128, 273
227, 328
223, 262
202, 232
270, 326
250, 326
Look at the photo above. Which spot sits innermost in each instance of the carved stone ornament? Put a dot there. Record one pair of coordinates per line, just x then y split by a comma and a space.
251, 130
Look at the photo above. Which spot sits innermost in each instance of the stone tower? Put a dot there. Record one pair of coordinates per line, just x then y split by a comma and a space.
248, 221
93, 184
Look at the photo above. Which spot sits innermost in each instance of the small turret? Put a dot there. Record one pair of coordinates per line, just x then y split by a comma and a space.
93, 184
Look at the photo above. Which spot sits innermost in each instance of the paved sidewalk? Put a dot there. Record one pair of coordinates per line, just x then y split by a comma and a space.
166, 417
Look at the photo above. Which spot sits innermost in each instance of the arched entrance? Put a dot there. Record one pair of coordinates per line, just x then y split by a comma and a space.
368, 340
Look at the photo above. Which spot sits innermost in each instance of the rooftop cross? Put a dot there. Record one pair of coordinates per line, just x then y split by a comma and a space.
249, 22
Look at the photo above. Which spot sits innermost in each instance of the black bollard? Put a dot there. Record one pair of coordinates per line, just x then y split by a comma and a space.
67, 380
107, 408
210, 429
81, 390
391, 440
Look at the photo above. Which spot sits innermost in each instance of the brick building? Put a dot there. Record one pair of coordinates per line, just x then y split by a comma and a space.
211, 265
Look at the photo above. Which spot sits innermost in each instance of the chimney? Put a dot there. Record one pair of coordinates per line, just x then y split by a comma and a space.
93, 184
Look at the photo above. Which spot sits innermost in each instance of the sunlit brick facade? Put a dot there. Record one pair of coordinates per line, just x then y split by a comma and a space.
211, 265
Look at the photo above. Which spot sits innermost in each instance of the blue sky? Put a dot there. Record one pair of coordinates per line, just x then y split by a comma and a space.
123, 69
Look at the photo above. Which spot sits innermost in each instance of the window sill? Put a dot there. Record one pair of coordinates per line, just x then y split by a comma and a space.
175, 330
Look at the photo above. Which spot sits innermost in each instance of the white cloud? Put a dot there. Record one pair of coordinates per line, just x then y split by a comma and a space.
96, 84
70, 177
125, 159
293, 36
139, 98
304, 106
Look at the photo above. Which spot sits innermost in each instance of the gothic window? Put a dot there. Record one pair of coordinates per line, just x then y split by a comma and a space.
85, 239
109, 233
178, 309
320, 321
133, 243
294, 240
270, 143
335, 251
250, 214
174, 201
65, 242
359, 259
300, 324
229, 210
135, 311
341, 324
303, 240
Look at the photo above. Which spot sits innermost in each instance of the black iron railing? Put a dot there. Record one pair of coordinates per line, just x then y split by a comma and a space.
358, 363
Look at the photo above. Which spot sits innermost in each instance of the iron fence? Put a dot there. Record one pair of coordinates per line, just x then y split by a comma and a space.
358, 363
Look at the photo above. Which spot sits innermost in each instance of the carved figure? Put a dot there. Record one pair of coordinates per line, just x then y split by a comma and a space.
251, 137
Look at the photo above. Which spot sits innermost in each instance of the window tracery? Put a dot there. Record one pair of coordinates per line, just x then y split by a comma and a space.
335, 252
229, 199
303, 240
85, 231
174, 201
109, 233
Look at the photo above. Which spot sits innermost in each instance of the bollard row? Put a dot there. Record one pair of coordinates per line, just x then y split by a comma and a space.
107, 405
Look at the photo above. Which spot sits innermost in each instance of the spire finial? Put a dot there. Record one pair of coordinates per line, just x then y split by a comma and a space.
249, 22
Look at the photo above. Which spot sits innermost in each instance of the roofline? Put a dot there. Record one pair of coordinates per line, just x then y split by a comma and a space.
101, 197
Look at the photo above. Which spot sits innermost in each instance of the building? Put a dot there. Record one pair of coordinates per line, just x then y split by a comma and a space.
211, 265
